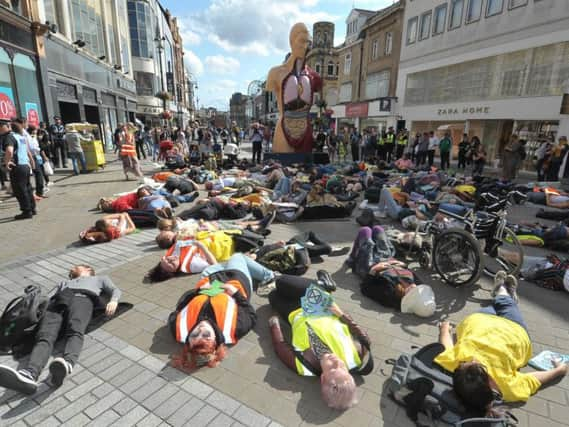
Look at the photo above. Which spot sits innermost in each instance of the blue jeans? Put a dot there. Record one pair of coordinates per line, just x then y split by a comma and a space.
388, 204
78, 157
250, 268
455, 209
504, 306
282, 188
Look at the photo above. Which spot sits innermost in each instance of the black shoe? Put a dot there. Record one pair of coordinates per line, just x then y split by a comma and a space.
23, 215
267, 220
59, 369
366, 219
21, 381
325, 281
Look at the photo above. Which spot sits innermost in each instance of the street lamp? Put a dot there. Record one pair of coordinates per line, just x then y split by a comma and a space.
160, 47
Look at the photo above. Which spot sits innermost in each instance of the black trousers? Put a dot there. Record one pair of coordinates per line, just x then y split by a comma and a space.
73, 322
22, 188
388, 152
421, 158
355, 152
39, 178
323, 212
174, 183
60, 153
286, 297
314, 245
445, 160
431, 155
205, 211
257, 150
400, 150
140, 149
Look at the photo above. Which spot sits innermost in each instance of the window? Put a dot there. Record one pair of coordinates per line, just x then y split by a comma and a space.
440, 19
330, 68
347, 63
87, 23
388, 43
412, 30
455, 17
517, 3
425, 31
473, 11
375, 49
346, 92
318, 67
144, 83
494, 7
140, 24
27, 84
377, 85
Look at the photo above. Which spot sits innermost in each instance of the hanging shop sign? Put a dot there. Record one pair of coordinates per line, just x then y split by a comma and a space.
32, 114
7, 106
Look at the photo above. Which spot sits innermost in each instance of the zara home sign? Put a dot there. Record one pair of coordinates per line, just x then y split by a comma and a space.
465, 110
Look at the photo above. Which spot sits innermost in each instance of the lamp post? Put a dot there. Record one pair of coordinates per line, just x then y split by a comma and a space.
160, 47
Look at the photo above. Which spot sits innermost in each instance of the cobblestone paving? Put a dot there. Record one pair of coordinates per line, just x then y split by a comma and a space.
123, 378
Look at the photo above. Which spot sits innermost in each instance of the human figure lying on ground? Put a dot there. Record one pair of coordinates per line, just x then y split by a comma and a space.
108, 228
207, 324
385, 279
491, 346
69, 311
331, 346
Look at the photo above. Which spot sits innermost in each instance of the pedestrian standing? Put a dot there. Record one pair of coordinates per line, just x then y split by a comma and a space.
355, 145
332, 143
478, 156
256, 138
511, 158
433, 145
267, 138
381, 146
46, 147
57, 131
445, 146
541, 156
463, 151
39, 159
372, 143
389, 144
76, 154
19, 162
422, 150
128, 152
402, 142
139, 140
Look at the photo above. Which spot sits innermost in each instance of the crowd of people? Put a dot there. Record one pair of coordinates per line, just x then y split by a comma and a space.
224, 237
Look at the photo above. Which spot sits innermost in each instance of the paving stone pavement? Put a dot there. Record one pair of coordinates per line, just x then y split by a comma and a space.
123, 377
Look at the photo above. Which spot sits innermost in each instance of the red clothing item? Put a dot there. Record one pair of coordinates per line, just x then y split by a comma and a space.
125, 203
113, 233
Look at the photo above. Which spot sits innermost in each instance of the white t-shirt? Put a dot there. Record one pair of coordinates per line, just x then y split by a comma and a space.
433, 143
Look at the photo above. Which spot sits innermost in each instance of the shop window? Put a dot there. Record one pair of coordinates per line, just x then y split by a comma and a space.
455, 17
473, 11
347, 63
412, 30
425, 31
346, 92
377, 85
440, 19
27, 84
388, 43
6, 86
494, 7
517, 3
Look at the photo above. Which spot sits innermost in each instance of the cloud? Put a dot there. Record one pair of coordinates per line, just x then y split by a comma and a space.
193, 62
189, 36
219, 64
257, 27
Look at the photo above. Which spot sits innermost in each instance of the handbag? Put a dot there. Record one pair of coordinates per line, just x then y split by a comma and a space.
47, 168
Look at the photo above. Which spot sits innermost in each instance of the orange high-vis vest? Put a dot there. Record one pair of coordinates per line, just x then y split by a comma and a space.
224, 309
186, 254
127, 147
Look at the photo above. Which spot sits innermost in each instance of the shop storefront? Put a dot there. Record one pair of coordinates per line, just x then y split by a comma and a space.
365, 115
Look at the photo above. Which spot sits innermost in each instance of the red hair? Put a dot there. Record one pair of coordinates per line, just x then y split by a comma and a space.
188, 359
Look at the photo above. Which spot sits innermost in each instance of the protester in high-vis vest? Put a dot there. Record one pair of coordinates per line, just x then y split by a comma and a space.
389, 144
128, 152
401, 144
207, 319
331, 346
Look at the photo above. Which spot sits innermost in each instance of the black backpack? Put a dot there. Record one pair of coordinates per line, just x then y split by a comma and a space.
419, 385
21, 317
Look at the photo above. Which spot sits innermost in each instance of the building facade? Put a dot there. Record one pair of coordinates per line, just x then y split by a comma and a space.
488, 68
88, 63
240, 109
368, 69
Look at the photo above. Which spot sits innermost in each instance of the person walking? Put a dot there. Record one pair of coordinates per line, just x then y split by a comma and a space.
463, 150
46, 147
73, 140
39, 159
445, 146
433, 145
139, 139
256, 138
19, 162
57, 131
128, 152
389, 144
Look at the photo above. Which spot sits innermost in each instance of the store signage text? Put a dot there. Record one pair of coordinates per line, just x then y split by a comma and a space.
357, 110
464, 110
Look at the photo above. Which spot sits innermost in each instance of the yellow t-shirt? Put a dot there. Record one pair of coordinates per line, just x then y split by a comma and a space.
499, 344
219, 243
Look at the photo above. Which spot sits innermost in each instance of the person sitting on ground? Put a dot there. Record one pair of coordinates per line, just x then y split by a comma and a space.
331, 346
108, 228
70, 310
207, 324
404, 163
491, 347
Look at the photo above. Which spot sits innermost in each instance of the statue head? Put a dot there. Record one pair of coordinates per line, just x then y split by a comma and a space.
299, 40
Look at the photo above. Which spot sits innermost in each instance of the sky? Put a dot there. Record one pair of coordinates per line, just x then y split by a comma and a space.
229, 43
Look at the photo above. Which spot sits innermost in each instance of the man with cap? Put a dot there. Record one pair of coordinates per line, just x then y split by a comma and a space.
57, 131
19, 162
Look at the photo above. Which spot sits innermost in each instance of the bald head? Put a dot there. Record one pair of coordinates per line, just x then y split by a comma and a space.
299, 40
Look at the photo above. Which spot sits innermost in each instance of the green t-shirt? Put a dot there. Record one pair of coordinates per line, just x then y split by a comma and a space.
445, 145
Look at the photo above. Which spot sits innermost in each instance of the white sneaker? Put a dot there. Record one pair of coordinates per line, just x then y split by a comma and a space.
21, 381
380, 214
59, 369
363, 204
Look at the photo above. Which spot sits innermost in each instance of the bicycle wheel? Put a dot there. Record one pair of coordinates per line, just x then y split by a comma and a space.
457, 257
508, 256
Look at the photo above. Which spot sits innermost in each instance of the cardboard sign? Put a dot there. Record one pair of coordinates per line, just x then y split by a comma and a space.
316, 302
